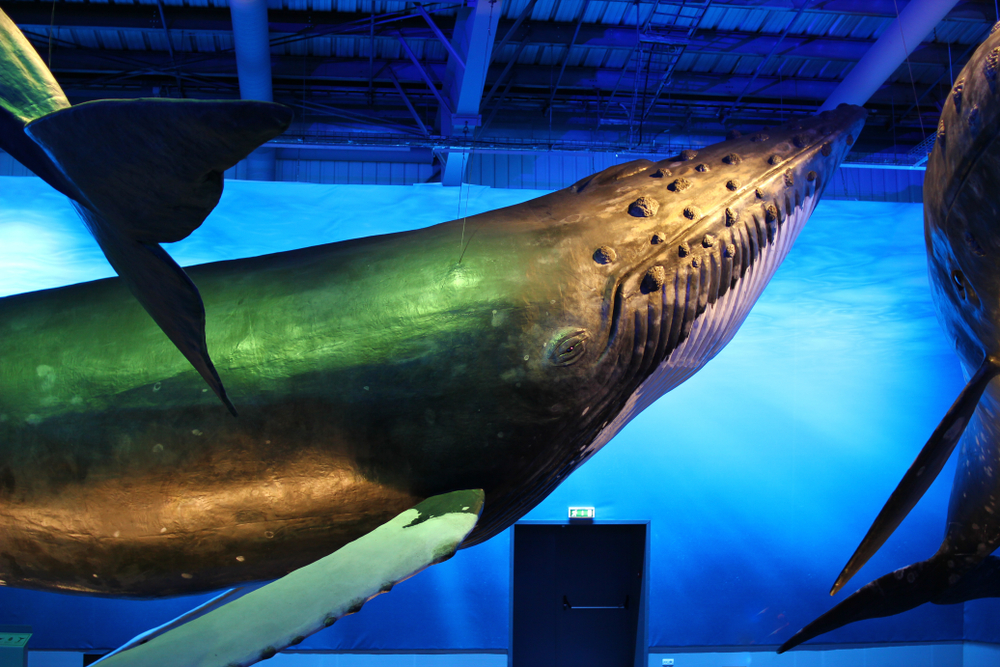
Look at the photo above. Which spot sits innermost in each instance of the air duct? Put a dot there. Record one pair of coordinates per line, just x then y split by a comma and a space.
253, 65
912, 25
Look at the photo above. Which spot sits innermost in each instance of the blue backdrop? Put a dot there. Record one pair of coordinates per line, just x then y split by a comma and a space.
759, 476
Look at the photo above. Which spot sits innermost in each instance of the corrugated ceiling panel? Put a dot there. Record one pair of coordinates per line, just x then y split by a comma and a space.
513, 8
344, 48
566, 10
543, 11
811, 69
529, 55
707, 62
790, 67
134, 40
713, 15
593, 13
87, 37
594, 57
504, 55
613, 13
960, 32
776, 22
299, 49
549, 55
110, 39
617, 58
869, 27
204, 43
577, 57
745, 65
741, 19
845, 26
836, 70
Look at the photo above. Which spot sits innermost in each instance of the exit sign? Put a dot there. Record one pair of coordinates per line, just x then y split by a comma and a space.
581, 512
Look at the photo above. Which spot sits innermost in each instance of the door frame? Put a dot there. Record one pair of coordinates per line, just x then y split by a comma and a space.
642, 629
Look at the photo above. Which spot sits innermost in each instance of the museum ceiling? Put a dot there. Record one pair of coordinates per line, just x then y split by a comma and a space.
591, 74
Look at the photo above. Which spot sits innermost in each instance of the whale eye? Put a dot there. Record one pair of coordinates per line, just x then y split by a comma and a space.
568, 347
964, 289
959, 280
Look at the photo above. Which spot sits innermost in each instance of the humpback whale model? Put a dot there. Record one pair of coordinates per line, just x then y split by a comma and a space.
961, 211
378, 372
497, 353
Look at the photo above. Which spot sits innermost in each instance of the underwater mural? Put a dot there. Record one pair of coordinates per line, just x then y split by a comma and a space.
960, 228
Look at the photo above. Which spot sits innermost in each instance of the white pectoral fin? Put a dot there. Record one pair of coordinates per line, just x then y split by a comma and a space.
267, 620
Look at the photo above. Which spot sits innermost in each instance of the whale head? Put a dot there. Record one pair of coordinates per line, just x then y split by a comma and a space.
633, 278
668, 257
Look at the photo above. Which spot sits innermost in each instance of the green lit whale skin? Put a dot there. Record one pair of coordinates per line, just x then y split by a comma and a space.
497, 353
962, 234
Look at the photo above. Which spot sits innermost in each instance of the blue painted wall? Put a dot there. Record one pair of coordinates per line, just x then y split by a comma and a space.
759, 476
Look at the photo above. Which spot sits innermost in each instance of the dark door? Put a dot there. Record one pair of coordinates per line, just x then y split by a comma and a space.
577, 594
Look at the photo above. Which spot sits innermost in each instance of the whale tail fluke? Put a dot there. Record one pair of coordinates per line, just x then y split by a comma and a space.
893, 593
149, 172
923, 471
153, 167
942, 579
142, 172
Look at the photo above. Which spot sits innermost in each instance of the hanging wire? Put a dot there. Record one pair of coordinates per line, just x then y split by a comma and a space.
52, 24
909, 67
951, 71
472, 153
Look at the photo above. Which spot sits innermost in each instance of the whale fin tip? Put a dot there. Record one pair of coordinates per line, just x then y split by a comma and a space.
922, 472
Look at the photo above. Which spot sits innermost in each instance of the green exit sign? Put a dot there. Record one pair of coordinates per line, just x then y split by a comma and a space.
581, 512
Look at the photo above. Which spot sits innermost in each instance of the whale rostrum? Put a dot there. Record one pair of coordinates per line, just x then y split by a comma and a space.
963, 241
497, 353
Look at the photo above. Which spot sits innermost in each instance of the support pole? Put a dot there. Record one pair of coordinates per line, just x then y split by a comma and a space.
253, 65
914, 23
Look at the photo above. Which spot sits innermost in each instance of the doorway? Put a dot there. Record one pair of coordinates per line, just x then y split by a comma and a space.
577, 595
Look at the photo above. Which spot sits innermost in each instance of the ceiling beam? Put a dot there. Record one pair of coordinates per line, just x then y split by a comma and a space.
191, 20
73, 67
896, 42
211, 18
253, 65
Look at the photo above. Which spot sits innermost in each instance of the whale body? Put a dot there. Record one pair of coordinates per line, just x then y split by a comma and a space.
497, 353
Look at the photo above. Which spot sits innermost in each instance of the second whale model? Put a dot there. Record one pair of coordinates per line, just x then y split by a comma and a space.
962, 236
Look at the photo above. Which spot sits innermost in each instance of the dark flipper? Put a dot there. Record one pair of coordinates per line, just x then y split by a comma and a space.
922, 473
153, 167
165, 291
942, 579
891, 594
